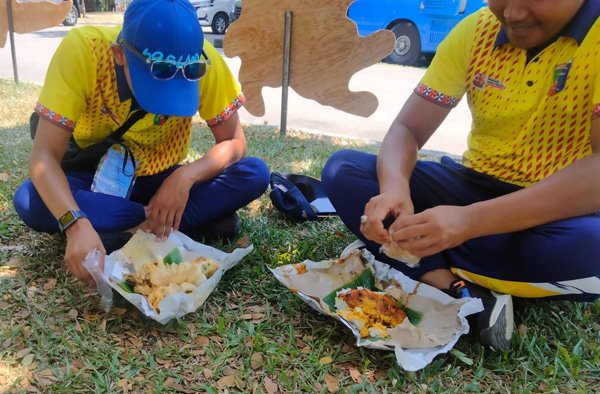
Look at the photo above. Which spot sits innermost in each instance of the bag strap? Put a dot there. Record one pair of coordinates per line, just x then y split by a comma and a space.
131, 119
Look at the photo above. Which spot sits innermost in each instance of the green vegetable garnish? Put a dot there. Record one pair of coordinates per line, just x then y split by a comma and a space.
126, 286
173, 257
367, 280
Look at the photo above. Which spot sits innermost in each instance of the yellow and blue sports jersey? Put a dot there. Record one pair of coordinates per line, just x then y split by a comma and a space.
86, 92
531, 115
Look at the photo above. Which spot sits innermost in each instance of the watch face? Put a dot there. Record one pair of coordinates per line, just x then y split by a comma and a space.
68, 217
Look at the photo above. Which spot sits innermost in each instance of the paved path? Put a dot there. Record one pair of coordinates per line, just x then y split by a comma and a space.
392, 84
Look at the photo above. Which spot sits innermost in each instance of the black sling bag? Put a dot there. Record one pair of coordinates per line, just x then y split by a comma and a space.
87, 159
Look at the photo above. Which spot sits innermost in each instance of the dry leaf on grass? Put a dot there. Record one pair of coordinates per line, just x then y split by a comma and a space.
332, 383
73, 313
170, 383
355, 375
243, 242
50, 284
202, 341
27, 360
23, 352
270, 386
118, 311
326, 360
208, 373
229, 371
22, 314
522, 329
4, 177
226, 382
257, 360
16, 262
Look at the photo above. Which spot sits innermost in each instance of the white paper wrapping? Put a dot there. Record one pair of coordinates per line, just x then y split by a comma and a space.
444, 318
143, 248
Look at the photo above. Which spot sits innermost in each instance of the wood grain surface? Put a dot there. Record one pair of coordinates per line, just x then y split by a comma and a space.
29, 17
326, 51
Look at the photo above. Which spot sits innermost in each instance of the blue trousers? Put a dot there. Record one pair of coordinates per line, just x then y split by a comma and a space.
235, 187
559, 260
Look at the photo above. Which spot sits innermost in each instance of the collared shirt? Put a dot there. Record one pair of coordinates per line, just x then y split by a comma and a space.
530, 118
87, 93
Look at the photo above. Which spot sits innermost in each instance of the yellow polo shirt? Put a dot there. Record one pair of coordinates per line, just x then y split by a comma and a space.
530, 119
81, 94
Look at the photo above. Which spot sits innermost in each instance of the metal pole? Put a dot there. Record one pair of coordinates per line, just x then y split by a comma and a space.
287, 38
11, 34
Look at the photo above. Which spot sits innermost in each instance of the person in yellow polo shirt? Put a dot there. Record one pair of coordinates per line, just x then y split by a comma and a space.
137, 87
519, 216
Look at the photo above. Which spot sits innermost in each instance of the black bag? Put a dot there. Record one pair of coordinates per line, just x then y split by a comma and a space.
296, 195
87, 159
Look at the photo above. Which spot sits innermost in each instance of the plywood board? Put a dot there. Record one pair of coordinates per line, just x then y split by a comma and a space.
31, 16
326, 51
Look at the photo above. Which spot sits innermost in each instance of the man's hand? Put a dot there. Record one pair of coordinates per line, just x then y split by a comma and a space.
380, 207
81, 240
432, 230
167, 205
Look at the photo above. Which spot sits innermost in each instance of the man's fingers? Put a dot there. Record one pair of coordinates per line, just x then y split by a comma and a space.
177, 223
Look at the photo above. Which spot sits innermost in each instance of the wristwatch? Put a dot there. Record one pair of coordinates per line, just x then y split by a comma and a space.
69, 218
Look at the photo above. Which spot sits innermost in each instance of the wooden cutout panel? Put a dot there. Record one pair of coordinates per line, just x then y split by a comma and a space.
29, 17
326, 51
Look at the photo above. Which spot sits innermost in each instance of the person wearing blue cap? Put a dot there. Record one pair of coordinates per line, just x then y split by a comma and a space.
112, 128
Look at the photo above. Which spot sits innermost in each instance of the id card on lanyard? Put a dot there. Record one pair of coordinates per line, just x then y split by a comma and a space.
115, 174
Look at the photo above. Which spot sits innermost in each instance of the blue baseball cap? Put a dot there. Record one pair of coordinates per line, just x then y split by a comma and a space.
162, 30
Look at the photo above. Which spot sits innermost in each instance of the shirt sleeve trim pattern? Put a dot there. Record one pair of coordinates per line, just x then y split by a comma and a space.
596, 111
53, 117
230, 110
436, 97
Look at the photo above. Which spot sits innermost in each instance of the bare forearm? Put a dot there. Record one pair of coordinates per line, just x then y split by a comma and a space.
571, 192
51, 183
396, 159
216, 159
411, 129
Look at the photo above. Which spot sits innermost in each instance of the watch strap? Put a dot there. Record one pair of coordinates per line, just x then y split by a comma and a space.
69, 218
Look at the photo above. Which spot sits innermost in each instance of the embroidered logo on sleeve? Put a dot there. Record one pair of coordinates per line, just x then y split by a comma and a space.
560, 77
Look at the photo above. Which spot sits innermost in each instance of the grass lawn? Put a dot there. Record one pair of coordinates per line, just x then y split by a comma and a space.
252, 334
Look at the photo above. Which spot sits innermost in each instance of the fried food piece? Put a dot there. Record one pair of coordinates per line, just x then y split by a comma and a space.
156, 280
371, 312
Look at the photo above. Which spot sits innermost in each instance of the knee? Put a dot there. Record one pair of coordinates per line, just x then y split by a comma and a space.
337, 165
583, 239
22, 200
31, 209
257, 173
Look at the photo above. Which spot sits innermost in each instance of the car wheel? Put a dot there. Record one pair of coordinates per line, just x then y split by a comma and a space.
220, 23
72, 16
407, 49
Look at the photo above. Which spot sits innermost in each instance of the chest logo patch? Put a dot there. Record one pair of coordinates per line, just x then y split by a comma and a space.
561, 72
480, 81
160, 120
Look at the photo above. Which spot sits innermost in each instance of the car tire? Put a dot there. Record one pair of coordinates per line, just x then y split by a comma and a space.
220, 23
72, 16
407, 49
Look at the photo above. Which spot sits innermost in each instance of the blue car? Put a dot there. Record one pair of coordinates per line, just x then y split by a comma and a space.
419, 25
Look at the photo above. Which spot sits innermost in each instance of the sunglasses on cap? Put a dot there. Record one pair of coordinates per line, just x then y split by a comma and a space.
167, 69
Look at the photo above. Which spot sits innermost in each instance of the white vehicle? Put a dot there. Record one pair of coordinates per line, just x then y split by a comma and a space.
218, 14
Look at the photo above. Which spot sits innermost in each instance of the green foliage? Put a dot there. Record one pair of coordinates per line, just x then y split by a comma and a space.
251, 332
